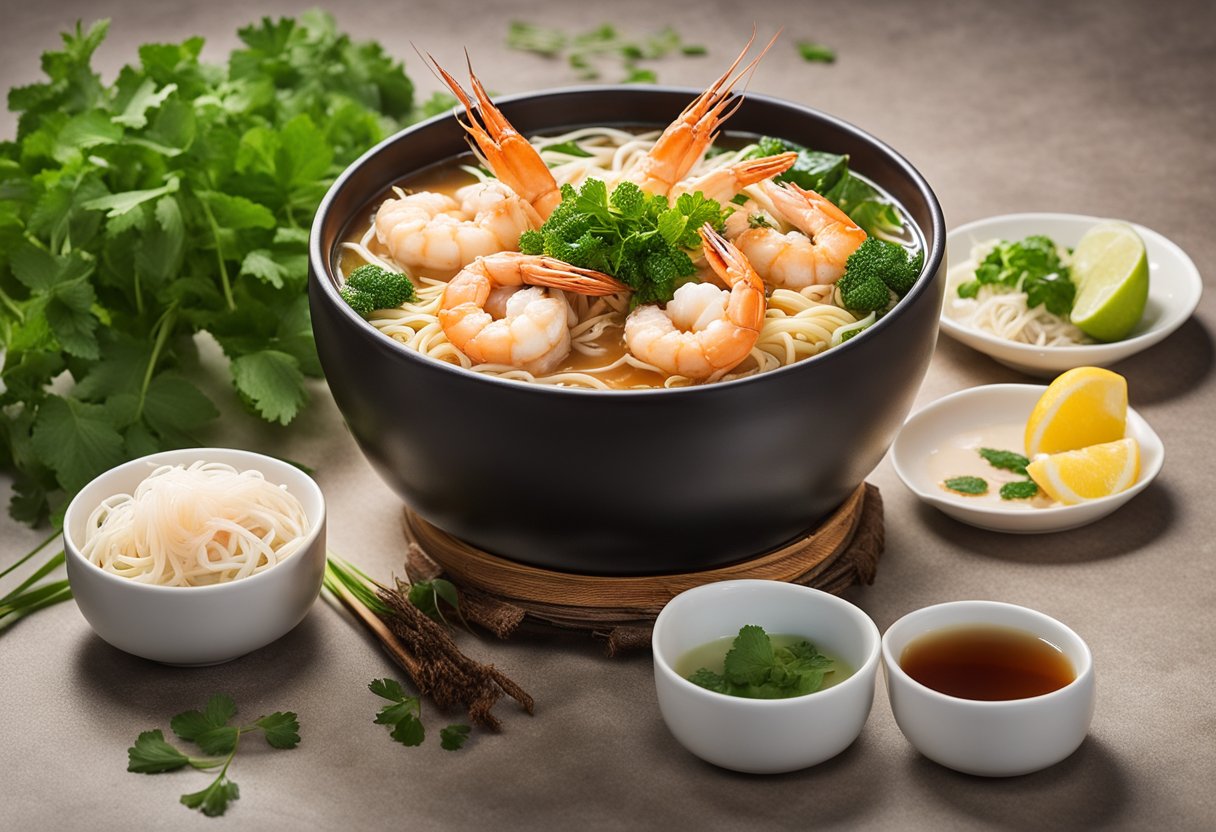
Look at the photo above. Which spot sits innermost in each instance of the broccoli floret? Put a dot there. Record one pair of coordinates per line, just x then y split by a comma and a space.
370, 288
873, 269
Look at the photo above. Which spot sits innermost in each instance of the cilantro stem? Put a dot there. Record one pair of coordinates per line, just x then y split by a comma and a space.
163, 327
219, 254
32, 552
11, 304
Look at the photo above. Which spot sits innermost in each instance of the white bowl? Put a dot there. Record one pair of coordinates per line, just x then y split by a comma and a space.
1174, 289
764, 736
931, 427
200, 625
991, 739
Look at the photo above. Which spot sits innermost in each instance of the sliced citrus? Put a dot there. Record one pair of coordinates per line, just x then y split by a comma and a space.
1097, 471
1110, 268
1084, 406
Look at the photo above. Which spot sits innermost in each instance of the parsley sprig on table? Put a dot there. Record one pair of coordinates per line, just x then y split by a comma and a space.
634, 236
403, 716
756, 669
173, 201
217, 740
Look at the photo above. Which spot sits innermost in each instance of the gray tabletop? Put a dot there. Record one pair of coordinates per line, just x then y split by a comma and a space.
1097, 108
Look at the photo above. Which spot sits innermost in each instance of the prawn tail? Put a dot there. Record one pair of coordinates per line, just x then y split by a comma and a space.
554, 274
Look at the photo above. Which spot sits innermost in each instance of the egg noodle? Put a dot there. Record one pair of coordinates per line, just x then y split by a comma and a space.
191, 526
797, 325
1004, 312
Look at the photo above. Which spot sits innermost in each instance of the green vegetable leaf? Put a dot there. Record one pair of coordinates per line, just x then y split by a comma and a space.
1022, 490
408, 730
1006, 460
1031, 265
281, 729
706, 678
389, 689
453, 737
816, 53
76, 440
750, 658
213, 801
151, 754
402, 715
144, 98
118, 204
272, 382
967, 485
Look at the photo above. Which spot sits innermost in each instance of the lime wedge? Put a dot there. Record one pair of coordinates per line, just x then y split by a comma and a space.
1110, 268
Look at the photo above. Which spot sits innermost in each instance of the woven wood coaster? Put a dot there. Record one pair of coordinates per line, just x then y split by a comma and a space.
500, 594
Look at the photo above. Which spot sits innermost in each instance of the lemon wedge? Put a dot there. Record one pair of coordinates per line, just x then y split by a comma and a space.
1084, 406
1097, 471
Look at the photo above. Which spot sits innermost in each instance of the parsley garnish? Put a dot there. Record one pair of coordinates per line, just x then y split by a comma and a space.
585, 52
172, 201
404, 717
210, 731
967, 485
755, 669
636, 237
1032, 266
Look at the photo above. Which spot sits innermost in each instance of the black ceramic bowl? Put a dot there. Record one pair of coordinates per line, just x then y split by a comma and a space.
625, 482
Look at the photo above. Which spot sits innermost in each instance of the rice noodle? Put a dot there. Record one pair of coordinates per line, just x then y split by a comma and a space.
192, 526
1005, 312
797, 324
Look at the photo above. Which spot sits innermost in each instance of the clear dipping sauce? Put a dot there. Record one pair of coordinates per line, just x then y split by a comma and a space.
986, 662
959, 457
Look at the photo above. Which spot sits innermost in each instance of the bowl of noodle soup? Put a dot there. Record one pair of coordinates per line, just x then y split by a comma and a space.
196, 556
602, 466
1036, 342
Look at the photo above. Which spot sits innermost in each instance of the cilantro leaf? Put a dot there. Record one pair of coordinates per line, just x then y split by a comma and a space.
750, 658
402, 715
281, 729
706, 678
209, 729
151, 754
76, 440
1021, 490
967, 485
1031, 265
1006, 460
453, 737
213, 801
272, 382
389, 689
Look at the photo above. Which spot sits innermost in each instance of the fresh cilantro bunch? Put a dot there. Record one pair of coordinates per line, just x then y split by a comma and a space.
585, 51
634, 236
403, 717
755, 669
174, 201
828, 175
1032, 266
217, 740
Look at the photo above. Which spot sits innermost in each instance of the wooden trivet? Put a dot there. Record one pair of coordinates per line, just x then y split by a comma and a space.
500, 594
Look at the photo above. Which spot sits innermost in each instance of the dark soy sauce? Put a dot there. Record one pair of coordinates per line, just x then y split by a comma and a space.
986, 662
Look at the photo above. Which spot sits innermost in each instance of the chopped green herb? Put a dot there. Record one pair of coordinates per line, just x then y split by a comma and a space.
210, 731
756, 669
587, 51
1021, 490
1032, 266
758, 221
1005, 460
369, 288
636, 237
402, 716
816, 53
453, 737
967, 485
172, 201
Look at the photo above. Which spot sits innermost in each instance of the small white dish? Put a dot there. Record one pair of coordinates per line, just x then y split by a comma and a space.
1174, 289
930, 428
990, 738
199, 625
764, 736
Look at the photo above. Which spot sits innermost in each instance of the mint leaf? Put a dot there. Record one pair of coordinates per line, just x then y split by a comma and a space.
750, 658
967, 485
1022, 490
1005, 460
706, 678
453, 737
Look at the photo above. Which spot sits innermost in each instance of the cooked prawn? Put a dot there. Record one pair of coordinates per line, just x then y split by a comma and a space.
721, 184
512, 157
488, 315
815, 252
686, 139
435, 232
705, 331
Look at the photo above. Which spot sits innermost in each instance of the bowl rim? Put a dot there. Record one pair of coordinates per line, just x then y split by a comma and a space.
835, 602
952, 400
1084, 674
316, 524
1189, 277
320, 262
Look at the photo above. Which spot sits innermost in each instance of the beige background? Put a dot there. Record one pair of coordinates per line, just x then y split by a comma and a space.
1099, 107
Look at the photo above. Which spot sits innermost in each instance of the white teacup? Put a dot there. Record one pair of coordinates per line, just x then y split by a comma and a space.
990, 738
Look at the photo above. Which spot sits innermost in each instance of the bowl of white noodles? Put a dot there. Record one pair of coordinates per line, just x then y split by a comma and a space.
196, 556
1036, 342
